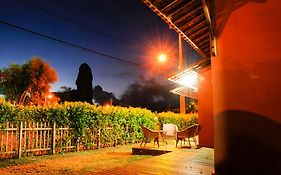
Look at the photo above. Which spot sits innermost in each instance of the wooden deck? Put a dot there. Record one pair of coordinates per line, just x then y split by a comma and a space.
118, 160
180, 161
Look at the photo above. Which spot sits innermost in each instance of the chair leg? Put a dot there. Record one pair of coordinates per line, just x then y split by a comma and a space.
195, 141
177, 143
189, 142
141, 142
157, 142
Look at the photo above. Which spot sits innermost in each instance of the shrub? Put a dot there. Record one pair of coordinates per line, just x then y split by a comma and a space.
181, 120
116, 125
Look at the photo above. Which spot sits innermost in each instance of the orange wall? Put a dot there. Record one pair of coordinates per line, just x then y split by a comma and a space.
205, 110
249, 57
247, 87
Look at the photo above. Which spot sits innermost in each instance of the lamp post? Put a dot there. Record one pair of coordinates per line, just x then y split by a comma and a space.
181, 67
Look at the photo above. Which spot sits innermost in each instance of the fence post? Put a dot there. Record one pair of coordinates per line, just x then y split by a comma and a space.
98, 138
54, 138
78, 144
20, 141
127, 135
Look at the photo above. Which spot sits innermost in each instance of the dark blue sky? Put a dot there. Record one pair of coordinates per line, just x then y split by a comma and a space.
137, 34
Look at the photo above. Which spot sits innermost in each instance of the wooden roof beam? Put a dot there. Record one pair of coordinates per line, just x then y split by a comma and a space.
203, 42
209, 22
193, 20
188, 14
208, 17
181, 8
169, 5
198, 32
194, 28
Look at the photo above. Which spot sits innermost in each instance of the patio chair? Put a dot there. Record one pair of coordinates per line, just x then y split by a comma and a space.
187, 134
149, 134
170, 129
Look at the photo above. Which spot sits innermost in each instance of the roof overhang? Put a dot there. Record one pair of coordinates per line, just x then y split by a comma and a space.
185, 91
187, 78
188, 86
191, 19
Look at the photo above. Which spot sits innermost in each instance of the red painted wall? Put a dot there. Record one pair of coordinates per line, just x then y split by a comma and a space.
247, 87
205, 110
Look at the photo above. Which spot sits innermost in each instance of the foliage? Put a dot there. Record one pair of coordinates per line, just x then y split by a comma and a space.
191, 105
181, 120
41, 74
32, 78
66, 94
84, 84
150, 94
14, 80
102, 97
117, 125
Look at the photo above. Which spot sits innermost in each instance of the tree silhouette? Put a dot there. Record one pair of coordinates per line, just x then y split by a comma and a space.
150, 94
84, 84
66, 94
102, 97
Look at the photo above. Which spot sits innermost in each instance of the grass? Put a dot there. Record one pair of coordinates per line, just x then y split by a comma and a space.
79, 162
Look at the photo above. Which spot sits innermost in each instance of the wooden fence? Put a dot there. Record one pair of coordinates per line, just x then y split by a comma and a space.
37, 138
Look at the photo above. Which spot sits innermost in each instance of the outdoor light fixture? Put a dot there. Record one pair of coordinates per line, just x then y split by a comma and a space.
185, 91
189, 80
50, 96
186, 78
162, 58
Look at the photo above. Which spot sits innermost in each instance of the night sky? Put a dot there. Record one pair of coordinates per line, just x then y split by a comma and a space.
125, 29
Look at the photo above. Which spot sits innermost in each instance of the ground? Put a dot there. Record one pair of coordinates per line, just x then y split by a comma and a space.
118, 160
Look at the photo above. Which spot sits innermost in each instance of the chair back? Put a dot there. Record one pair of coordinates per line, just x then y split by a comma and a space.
171, 129
189, 132
145, 130
149, 133
193, 130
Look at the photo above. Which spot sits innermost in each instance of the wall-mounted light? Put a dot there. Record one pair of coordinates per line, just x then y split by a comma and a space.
187, 78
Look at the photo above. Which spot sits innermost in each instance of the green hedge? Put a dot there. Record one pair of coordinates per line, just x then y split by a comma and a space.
116, 124
181, 120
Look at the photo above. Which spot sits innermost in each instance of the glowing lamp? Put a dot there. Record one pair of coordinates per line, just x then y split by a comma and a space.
187, 78
190, 79
50, 96
162, 58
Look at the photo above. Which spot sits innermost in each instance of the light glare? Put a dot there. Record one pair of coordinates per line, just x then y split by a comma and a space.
162, 58
189, 80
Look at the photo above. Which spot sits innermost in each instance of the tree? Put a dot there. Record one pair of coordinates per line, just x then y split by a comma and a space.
150, 94
102, 97
32, 78
84, 84
66, 94
41, 76
14, 80
155, 96
2, 78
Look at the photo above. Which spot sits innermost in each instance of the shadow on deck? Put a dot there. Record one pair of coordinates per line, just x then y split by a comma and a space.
181, 160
